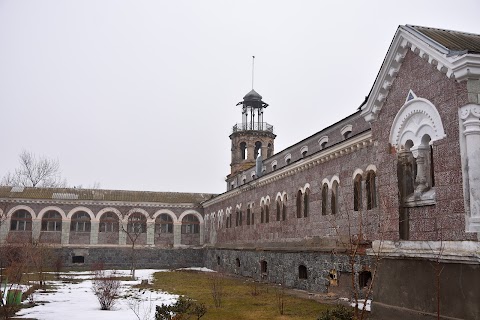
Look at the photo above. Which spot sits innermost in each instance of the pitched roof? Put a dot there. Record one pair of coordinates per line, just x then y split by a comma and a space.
452, 40
102, 195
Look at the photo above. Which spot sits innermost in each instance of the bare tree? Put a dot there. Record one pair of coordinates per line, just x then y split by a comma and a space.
106, 287
35, 172
136, 225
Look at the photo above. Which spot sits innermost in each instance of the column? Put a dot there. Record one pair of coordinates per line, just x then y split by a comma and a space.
94, 231
65, 232
4, 228
36, 229
122, 235
470, 115
150, 233
202, 227
177, 233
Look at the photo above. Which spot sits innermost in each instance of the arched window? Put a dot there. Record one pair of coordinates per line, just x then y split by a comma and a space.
267, 211
238, 218
299, 203
279, 209
371, 190
302, 272
323, 145
164, 224
109, 222
243, 150
262, 214
258, 149
190, 224
237, 262
137, 223
306, 202
21, 221
248, 215
284, 208
52, 221
357, 193
324, 198
334, 200
80, 222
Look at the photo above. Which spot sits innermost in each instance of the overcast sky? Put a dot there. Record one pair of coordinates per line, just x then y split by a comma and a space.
141, 95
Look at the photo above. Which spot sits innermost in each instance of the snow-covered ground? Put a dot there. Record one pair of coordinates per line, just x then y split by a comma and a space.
74, 301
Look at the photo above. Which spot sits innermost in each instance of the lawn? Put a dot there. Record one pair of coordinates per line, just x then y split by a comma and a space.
239, 300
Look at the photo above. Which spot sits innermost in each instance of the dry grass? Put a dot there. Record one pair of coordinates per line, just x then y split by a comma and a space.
238, 302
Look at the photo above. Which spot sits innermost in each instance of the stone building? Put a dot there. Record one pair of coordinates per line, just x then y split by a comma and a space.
399, 179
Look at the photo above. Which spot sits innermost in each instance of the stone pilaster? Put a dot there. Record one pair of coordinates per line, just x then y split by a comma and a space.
177, 234
4, 228
36, 229
94, 232
470, 116
122, 235
65, 232
151, 233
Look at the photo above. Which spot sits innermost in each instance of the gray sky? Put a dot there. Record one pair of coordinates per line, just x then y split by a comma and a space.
141, 95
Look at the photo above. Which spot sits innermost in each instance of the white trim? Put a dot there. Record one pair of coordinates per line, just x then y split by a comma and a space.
87, 210
252, 174
135, 210
322, 140
109, 209
164, 211
407, 38
274, 163
195, 213
345, 129
288, 157
303, 149
21, 207
416, 118
371, 167
62, 213
357, 172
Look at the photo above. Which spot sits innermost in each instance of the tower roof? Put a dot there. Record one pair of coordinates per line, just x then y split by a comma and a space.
252, 96
253, 99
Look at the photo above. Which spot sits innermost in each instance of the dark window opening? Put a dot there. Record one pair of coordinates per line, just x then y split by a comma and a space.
258, 149
218, 260
274, 167
334, 200
364, 278
323, 145
137, 223
237, 262
357, 192
279, 210
267, 213
21, 221
80, 222
288, 161
109, 222
333, 277
306, 201
324, 198
243, 150
190, 224
262, 214
371, 190
248, 216
263, 266
347, 134
78, 259
244, 180
302, 272
52, 221
304, 153
164, 224
269, 150
284, 208
299, 204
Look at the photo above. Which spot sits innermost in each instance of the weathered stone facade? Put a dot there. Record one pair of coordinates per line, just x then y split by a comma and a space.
397, 181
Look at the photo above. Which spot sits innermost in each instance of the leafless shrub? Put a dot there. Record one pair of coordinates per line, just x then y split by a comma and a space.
280, 298
106, 287
217, 286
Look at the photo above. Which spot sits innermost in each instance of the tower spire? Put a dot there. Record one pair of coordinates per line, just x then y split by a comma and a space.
253, 69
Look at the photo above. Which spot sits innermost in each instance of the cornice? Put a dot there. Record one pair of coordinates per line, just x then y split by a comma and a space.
458, 67
353, 144
99, 203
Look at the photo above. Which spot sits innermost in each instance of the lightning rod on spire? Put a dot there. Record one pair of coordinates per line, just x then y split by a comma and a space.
253, 69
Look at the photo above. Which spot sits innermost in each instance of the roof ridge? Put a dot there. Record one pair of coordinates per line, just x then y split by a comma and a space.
440, 29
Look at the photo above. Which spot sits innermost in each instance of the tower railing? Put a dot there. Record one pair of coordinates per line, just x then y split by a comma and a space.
256, 126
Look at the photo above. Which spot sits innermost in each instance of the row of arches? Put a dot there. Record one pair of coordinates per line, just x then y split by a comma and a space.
364, 197
81, 226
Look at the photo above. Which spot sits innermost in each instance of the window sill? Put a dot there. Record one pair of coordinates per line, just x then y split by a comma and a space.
426, 198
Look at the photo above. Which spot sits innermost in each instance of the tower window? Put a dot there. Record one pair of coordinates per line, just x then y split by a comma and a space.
243, 150
324, 198
258, 149
357, 192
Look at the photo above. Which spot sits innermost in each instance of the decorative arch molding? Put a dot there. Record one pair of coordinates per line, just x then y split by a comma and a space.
53, 208
416, 118
371, 167
244, 178
163, 211
21, 207
274, 164
323, 140
252, 174
195, 213
279, 196
109, 209
334, 178
228, 211
303, 149
288, 157
238, 206
357, 172
85, 209
326, 181
135, 210
345, 129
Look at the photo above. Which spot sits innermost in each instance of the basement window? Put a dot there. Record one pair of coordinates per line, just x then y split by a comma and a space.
302, 272
237, 262
218, 260
78, 259
364, 278
263, 267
